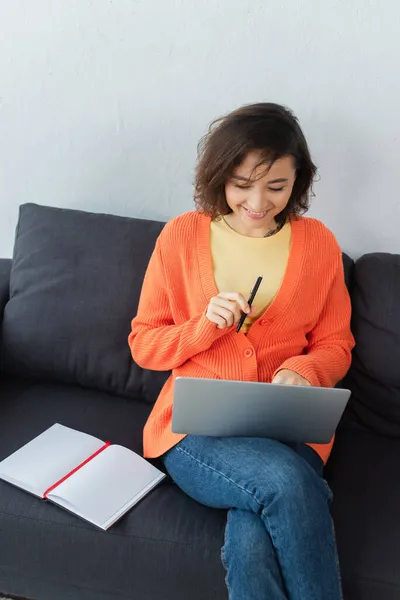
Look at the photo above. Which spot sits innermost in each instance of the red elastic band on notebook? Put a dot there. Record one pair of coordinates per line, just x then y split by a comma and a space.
76, 469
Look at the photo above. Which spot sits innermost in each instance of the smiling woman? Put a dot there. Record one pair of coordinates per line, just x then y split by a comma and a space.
253, 181
257, 193
255, 163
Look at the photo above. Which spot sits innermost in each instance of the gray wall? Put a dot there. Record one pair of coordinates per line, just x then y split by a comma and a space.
102, 102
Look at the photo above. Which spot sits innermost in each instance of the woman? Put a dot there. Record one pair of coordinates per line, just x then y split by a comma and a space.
253, 180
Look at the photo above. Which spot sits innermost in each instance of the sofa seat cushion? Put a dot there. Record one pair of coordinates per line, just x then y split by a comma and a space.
167, 538
363, 472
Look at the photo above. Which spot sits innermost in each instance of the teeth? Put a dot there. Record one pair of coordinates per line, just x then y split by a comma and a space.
256, 213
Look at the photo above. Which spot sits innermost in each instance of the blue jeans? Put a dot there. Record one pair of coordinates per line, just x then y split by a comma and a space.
279, 536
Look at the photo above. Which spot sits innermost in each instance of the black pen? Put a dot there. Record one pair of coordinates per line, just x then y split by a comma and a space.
249, 302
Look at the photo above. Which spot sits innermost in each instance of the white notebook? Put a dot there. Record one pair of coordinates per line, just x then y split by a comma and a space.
97, 481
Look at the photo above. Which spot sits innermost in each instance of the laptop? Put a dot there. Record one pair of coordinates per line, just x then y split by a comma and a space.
288, 413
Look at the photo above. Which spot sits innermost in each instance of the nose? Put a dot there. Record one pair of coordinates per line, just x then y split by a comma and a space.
257, 199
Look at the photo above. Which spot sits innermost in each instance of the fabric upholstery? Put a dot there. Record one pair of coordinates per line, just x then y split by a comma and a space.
363, 472
74, 288
374, 377
157, 551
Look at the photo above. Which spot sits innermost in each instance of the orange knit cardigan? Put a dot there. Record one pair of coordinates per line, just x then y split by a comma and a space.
306, 328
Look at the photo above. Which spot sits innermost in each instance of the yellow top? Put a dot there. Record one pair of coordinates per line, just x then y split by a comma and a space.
238, 261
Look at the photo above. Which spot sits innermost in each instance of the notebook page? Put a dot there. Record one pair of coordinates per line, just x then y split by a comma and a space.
47, 458
107, 484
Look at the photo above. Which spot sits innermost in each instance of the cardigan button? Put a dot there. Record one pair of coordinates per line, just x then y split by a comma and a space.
261, 322
248, 353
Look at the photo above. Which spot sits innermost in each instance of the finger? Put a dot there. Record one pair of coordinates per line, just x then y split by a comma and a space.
285, 377
292, 379
279, 378
221, 323
230, 305
217, 319
295, 379
226, 314
236, 297
288, 377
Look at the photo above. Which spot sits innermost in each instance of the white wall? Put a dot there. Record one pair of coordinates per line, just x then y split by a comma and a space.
102, 102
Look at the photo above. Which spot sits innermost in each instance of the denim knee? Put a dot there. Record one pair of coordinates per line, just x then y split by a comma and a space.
296, 483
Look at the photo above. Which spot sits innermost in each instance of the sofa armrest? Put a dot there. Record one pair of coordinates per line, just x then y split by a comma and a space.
5, 269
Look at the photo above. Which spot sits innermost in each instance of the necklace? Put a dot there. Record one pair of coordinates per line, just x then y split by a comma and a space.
272, 232
269, 233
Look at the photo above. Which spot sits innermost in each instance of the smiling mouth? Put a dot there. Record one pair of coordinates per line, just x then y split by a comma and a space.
254, 213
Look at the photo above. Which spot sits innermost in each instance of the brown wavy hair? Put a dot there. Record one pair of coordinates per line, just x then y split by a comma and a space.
268, 128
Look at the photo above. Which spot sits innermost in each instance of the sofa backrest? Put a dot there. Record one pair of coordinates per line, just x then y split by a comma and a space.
75, 285
374, 377
74, 288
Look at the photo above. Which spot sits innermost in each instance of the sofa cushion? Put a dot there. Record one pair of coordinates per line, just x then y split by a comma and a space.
74, 288
363, 474
167, 546
374, 377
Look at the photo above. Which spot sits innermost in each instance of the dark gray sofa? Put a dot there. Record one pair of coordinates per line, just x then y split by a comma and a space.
66, 300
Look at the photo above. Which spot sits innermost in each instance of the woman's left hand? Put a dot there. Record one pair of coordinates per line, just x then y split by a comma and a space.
287, 377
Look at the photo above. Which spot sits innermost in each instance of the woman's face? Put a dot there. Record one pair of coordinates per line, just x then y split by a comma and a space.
257, 194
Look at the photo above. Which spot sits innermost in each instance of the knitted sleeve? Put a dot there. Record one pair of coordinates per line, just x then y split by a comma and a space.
328, 354
156, 342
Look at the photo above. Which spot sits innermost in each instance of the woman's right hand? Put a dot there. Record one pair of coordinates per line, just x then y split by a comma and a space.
226, 309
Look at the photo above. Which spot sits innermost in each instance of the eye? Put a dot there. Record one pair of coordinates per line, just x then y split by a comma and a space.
242, 187
276, 189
